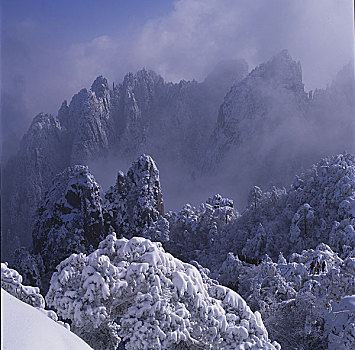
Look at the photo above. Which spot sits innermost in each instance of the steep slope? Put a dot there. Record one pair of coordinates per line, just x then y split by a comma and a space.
88, 120
136, 202
269, 128
143, 114
25, 323
43, 153
24, 327
70, 219
260, 117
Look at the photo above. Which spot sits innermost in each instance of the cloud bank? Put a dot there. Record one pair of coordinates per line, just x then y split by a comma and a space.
185, 44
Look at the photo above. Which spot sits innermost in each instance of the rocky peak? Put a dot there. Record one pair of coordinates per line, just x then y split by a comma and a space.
63, 113
43, 121
143, 85
145, 165
69, 218
100, 87
135, 202
78, 106
281, 70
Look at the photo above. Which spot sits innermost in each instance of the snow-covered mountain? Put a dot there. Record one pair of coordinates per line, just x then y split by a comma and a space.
308, 228
267, 128
257, 109
135, 203
142, 114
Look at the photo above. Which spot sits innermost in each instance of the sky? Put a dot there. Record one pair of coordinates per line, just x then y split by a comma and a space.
52, 49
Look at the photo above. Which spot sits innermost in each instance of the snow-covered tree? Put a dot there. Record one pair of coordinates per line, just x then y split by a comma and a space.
30, 265
197, 234
11, 281
134, 292
255, 194
340, 324
318, 207
295, 294
259, 245
302, 225
342, 237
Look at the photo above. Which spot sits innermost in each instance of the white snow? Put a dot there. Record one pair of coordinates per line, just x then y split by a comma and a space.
25, 327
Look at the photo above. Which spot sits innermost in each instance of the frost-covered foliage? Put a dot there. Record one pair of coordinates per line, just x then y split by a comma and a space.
340, 324
195, 233
11, 281
298, 293
329, 190
318, 207
342, 237
69, 220
30, 265
135, 203
133, 291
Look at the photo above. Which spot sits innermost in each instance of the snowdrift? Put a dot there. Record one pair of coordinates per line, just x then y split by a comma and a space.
24, 327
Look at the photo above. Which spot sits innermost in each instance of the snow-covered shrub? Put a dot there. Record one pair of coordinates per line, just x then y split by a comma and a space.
133, 291
135, 202
262, 228
295, 294
11, 281
301, 217
69, 220
195, 234
30, 265
342, 237
340, 324
329, 189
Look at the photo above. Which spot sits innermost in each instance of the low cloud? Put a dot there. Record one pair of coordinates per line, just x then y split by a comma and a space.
186, 43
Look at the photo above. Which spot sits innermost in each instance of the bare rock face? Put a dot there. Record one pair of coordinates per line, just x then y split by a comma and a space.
261, 117
136, 202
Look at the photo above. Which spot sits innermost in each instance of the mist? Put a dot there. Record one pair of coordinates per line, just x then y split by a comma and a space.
184, 43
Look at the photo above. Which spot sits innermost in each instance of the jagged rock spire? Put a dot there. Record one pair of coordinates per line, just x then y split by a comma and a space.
100, 86
135, 202
69, 219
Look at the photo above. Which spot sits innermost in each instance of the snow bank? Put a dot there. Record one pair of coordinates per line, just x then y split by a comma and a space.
24, 327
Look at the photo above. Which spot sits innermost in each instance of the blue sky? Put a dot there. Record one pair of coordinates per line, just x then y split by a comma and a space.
51, 49
66, 21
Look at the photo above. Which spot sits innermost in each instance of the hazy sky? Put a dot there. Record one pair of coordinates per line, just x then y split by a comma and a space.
51, 49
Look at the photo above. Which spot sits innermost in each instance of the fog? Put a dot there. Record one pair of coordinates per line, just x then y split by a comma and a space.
185, 43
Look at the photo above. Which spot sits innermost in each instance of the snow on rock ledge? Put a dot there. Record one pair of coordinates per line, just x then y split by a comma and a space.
133, 291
